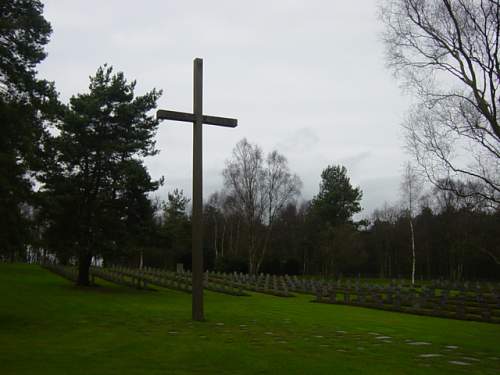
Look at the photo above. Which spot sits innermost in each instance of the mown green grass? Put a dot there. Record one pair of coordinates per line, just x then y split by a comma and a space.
49, 326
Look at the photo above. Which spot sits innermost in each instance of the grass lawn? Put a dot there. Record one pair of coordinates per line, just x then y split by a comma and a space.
49, 326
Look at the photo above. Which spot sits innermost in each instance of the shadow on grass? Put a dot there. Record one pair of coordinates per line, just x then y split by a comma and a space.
103, 287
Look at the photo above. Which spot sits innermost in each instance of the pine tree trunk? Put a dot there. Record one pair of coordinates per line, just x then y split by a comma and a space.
84, 269
236, 244
215, 240
264, 248
413, 252
389, 266
223, 239
251, 263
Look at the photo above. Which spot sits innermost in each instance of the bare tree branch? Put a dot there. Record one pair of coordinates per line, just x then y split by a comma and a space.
446, 52
261, 189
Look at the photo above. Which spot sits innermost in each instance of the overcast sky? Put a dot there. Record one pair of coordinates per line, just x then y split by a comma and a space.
306, 78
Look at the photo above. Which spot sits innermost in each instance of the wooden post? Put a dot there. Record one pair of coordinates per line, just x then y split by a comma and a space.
197, 231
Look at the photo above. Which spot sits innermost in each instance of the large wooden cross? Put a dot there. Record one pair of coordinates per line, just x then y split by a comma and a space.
198, 119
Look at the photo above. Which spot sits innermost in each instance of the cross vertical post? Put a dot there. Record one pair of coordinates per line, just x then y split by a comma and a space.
197, 215
197, 118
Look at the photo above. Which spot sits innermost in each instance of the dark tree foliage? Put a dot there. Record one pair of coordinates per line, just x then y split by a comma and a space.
139, 230
176, 229
24, 33
176, 206
455, 244
287, 242
329, 220
225, 239
96, 183
26, 104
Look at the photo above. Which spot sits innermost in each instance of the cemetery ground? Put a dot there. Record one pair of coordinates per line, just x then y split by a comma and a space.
50, 326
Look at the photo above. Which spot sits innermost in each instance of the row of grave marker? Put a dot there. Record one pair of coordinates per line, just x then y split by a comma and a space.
69, 273
177, 281
480, 303
453, 307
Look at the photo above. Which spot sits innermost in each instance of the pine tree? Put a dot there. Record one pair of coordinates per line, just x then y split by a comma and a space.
96, 178
337, 200
26, 106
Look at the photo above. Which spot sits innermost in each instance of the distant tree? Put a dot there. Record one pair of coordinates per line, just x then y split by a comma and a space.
139, 231
425, 225
260, 188
447, 53
176, 227
465, 198
453, 239
337, 201
472, 215
95, 175
27, 105
225, 236
176, 205
486, 241
384, 242
333, 208
287, 239
244, 180
411, 189
215, 223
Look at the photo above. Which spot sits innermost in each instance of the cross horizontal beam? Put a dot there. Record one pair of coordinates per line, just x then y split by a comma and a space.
162, 114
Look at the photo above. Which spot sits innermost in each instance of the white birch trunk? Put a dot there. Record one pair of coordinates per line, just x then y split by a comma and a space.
412, 252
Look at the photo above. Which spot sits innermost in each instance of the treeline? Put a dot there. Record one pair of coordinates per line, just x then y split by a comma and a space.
454, 238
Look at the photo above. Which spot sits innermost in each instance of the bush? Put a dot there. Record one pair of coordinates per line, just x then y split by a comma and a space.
276, 266
231, 264
292, 266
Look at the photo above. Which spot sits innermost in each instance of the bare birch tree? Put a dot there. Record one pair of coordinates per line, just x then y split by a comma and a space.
411, 189
260, 188
447, 53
